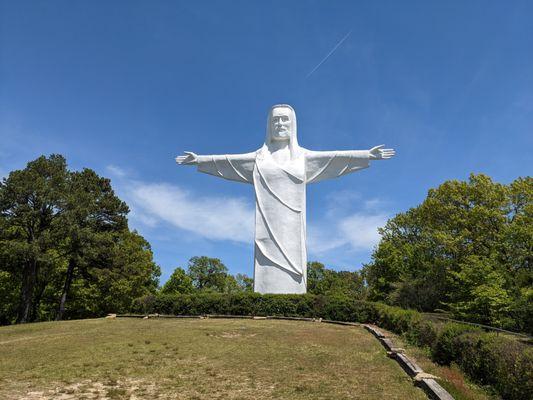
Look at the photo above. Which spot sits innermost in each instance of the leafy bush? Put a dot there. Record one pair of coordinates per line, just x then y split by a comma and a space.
504, 364
397, 319
445, 349
423, 333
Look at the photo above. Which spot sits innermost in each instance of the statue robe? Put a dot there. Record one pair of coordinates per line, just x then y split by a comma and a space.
280, 251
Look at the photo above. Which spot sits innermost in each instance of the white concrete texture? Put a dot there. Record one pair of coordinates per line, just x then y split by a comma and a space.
279, 172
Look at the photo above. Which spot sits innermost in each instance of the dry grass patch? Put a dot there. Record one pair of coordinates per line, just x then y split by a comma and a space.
196, 359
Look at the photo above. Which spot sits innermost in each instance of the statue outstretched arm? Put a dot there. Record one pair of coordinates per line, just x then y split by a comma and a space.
322, 165
235, 167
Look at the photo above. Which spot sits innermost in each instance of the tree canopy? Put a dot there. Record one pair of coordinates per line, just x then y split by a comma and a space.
205, 274
65, 245
179, 282
324, 281
467, 249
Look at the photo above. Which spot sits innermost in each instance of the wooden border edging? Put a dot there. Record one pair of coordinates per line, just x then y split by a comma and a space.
329, 321
214, 316
387, 343
374, 331
408, 365
292, 318
425, 381
146, 316
434, 390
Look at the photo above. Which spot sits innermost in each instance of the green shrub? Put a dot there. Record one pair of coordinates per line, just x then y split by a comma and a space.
444, 349
521, 312
144, 304
396, 319
423, 333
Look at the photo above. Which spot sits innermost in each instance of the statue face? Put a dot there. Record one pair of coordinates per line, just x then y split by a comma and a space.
281, 123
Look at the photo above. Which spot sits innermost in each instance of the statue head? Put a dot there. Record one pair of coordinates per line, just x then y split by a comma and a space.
280, 120
281, 126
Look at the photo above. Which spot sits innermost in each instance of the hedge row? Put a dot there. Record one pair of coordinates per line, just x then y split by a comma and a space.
504, 364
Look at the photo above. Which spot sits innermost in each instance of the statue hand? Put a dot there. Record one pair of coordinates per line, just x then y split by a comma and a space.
379, 153
189, 159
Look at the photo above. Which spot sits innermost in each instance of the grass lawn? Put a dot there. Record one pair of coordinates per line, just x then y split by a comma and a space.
196, 359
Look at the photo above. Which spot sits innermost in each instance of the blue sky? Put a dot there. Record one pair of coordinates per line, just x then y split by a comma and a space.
124, 87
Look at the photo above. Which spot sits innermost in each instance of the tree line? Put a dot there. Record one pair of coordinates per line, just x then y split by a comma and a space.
205, 274
467, 249
65, 246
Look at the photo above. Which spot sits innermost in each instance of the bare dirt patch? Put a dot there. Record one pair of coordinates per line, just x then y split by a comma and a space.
89, 390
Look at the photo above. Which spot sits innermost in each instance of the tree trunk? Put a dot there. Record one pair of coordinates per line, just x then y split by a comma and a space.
38, 294
66, 287
29, 276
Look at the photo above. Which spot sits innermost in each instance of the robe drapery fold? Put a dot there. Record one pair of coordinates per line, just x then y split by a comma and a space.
280, 198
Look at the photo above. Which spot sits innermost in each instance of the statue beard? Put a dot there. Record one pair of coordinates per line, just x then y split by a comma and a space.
281, 136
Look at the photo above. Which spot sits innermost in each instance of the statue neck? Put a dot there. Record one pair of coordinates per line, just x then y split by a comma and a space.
277, 145
280, 151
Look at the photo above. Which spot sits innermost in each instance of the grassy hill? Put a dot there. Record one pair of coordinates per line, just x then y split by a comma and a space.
196, 359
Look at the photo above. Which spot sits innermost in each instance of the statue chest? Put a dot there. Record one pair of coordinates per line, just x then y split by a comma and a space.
292, 172
280, 184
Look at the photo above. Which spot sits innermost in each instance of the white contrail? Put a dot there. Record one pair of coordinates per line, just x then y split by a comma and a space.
329, 54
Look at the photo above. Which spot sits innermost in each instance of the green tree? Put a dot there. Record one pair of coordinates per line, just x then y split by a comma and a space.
208, 274
347, 283
231, 285
130, 273
467, 247
517, 251
30, 201
179, 282
64, 236
316, 272
321, 280
480, 293
245, 283
90, 209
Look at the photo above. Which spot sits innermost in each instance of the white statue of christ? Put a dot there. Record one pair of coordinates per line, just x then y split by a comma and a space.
280, 171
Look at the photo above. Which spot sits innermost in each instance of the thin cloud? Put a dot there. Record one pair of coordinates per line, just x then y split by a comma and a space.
328, 55
349, 223
361, 230
156, 204
219, 218
355, 232
116, 171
